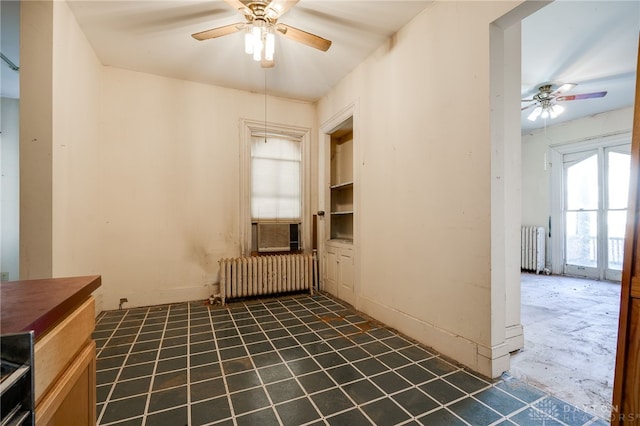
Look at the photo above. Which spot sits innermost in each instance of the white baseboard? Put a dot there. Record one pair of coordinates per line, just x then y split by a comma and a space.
490, 362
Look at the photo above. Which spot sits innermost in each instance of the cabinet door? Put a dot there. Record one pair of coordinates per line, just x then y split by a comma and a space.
345, 276
331, 271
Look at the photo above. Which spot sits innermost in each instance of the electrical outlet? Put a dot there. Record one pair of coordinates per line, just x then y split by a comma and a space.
4, 276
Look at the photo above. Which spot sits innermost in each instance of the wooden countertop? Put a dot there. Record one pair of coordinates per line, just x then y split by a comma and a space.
40, 304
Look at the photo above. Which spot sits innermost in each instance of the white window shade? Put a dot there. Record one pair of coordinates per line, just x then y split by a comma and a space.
275, 178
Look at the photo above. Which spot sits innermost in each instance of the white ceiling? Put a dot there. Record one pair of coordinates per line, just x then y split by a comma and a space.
155, 37
591, 43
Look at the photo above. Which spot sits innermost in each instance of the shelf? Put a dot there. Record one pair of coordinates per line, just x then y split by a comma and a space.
342, 213
343, 185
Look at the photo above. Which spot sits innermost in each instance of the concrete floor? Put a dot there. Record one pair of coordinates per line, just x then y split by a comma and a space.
570, 331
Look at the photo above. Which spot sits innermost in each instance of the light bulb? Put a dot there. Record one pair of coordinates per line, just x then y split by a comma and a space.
248, 41
535, 114
257, 43
545, 113
269, 48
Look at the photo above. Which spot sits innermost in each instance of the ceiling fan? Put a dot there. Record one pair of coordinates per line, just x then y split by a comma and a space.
261, 24
546, 100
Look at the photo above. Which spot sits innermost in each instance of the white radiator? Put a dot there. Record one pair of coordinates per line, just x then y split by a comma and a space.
266, 275
532, 249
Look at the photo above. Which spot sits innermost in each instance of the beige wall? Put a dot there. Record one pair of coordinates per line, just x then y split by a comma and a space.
143, 172
170, 182
423, 242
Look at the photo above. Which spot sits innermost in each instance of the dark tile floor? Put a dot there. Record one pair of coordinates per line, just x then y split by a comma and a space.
293, 361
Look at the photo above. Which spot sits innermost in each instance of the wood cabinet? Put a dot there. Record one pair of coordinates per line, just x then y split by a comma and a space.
339, 272
61, 313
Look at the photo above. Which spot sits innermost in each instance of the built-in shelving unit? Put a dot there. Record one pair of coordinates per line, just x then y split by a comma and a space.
341, 183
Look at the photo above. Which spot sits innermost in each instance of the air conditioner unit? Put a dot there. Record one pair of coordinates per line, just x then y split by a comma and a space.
274, 237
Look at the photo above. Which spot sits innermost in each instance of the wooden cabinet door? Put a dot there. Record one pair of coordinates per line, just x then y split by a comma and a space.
626, 388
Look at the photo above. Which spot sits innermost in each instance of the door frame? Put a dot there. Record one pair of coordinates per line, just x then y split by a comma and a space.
557, 222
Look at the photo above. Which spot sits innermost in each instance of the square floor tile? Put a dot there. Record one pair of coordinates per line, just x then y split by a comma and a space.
297, 412
124, 408
169, 380
244, 380
375, 348
210, 411
203, 358
303, 366
231, 353
207, 389
521, 390
260, 347
353, 417
331, 401
269, 358
131, 387
465, 381
316, 381
274, 373
441, 417
393, 359
385, 412
284, 391
474, 412
344, 374
441, 391
249, 400
265, 417
353, 353
370, 366
140, 357
171, 364
499, 400
161, 400
362, 391
229, 342
328, 360
205, 372
390, 382
237, 365
415, 402
438, 366
415, 374
531, 416
289, 354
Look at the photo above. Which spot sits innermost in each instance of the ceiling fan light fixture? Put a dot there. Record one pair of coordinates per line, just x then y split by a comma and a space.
269, 46
248, 40
558, 109
535, 114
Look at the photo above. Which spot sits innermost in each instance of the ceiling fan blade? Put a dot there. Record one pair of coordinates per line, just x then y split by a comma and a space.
240, 7
304, 37
217, 32
528, 106
582, 96
277, 8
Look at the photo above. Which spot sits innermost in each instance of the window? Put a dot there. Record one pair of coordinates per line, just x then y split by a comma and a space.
274, 188
276, 167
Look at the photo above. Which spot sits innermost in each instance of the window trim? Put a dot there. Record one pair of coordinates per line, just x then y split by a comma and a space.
249, 129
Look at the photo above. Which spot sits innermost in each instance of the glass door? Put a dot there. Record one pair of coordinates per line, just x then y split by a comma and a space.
618, 164
596, 186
